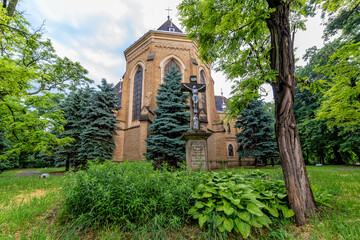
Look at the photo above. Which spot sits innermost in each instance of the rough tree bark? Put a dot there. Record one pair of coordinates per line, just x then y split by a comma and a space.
11, 7
282, 60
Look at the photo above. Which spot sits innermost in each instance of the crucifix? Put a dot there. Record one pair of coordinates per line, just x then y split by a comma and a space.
168, 9
194, 88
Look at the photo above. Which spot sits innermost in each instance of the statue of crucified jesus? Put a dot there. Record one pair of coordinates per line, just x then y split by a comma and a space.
195, 97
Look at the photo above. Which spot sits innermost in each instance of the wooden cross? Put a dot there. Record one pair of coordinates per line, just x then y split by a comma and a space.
194, 88
168, 9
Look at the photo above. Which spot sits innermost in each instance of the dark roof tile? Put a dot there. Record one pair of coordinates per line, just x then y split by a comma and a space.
169, 26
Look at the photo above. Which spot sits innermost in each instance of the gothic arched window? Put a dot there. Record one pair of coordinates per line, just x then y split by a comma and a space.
231, 150
170, 64
203, 94
137, 94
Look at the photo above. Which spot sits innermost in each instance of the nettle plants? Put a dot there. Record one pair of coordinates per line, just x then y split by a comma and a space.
229, 201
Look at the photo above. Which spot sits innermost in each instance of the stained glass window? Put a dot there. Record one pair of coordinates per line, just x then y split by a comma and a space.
137, 94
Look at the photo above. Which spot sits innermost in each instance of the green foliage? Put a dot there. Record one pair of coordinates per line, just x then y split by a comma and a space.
99, 124
256, 137
328, 119
170, 122
32, 79
235, 36
233, 201
342, 101
129, 193
73, 109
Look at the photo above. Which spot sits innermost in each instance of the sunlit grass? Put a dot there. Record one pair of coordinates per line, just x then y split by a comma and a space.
24, 200
29, 206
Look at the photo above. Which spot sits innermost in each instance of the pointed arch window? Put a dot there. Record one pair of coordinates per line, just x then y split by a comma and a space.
137, 94
231, 150
203, 94
170, 64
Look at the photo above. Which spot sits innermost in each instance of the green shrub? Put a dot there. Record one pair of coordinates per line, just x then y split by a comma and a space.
130, 192
234, 202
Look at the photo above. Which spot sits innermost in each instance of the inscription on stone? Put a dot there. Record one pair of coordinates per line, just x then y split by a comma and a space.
198, 155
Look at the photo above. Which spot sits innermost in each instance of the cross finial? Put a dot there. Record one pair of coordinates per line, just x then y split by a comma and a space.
168, 9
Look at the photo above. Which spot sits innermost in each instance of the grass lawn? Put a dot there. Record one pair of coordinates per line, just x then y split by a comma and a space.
29, 205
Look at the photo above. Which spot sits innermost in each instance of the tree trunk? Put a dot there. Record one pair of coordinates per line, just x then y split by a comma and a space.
338, 158
292, 162
67, 163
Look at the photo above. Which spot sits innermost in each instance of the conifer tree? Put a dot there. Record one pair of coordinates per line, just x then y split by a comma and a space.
256, 138
73, 108
97, 140
171, 121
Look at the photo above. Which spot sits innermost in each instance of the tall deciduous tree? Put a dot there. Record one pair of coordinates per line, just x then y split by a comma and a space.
32, 79
171, 121
253, 40
97, 141
256, 137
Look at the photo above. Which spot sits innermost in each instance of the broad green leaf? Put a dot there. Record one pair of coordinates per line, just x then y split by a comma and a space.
211, 190
220, 208
221, 228
244, 216
219, 220
202, 220
254, 209
258, 203
196, 215
244, 228
228, 224
254, 221
206, 195
191, 210
225, 194
228, 209
264, 220
281, 196
274, 212
287, 212
235, 201
249, 196
199, 204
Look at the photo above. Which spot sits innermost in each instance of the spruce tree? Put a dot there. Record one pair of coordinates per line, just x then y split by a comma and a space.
256, 138
171, 121
73, 108
99, 119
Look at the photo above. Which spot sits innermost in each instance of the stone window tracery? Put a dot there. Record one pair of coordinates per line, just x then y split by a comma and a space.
170, 64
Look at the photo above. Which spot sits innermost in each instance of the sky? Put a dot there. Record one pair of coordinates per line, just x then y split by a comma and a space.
96, 33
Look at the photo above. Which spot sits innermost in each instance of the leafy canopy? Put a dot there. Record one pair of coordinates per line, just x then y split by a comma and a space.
32, 79
234, 35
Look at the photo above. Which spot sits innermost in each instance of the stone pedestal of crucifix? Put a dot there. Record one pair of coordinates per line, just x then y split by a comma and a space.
196, 139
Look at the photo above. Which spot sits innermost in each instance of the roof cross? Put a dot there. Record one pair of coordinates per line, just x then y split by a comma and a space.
168, 9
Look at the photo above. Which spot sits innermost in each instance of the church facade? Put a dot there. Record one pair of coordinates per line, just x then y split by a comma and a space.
147, 61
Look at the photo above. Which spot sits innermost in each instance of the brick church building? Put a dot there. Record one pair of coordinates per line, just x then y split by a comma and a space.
147, 61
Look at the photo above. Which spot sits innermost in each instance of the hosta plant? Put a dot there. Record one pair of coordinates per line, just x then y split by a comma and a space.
236, 203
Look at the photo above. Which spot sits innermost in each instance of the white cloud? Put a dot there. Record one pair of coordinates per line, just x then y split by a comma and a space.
77, 12
102, 58
96, 33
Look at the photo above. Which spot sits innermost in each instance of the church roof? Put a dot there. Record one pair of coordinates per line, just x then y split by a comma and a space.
169, 26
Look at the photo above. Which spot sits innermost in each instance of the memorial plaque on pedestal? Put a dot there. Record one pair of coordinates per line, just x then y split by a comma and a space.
196, 149
198, 153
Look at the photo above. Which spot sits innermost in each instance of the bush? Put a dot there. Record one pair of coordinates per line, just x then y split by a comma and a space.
227, 201
130, 192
